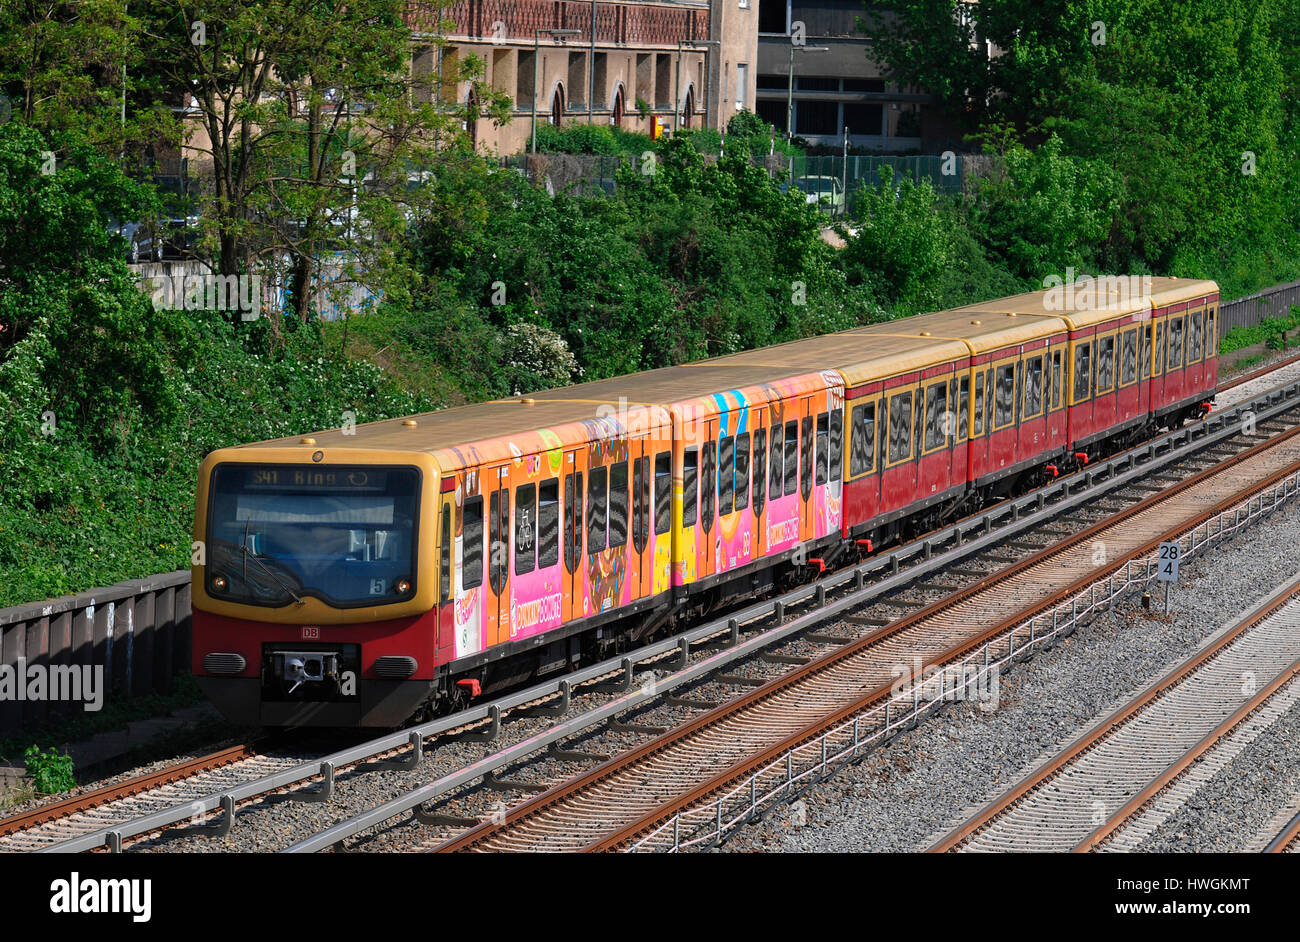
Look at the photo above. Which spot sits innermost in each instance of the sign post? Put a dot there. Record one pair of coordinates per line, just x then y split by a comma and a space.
1167, 568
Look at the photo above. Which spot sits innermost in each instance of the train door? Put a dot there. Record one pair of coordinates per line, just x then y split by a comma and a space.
571, 534
807, 452
661, 540
1128, 396
1054, 393
1035, 397
735, 524
497, 603
1002, 393
706, 536
898, 450
1175, 367
642, 553
447, 559
759, 476
862, 485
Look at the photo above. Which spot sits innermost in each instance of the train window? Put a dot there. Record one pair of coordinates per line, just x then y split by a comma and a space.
1211, 334
1146, 350
1057, 371
900, 427
597, 509
548, 523
806, 458
742, 471
1159, 367
862, 439
640, 502
963, 409
1105, 364
444, 564
690, 471
823, 447
936, 407
1128, 357
726, 475
708, 484
1194, 337
498, 539
775, 464
791, 457
525, 528
572, 520
471, 568
1082, 371
837, 445
1033, 404
1005, 396
663, 491
618, 504
979, 404
1175, 358
760, 470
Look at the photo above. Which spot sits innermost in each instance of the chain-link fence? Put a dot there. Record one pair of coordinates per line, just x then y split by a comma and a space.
831, 181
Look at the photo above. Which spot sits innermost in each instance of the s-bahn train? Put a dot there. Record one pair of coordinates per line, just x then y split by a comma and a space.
359, 576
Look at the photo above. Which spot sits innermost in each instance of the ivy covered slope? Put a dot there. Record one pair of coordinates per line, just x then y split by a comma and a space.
108, 405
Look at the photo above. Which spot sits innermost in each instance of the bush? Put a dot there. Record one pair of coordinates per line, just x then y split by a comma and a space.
50, 772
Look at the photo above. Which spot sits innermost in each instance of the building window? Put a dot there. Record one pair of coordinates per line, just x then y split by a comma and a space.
774, 16
742, 85
816, 117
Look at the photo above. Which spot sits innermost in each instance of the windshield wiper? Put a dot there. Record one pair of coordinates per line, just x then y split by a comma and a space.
266, 569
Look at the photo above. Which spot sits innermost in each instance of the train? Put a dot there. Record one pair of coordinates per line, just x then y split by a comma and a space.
369, 574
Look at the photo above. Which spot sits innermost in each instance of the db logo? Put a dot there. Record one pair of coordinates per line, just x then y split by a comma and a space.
310, 632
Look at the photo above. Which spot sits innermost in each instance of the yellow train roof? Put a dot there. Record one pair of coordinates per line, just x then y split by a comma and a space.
564, 416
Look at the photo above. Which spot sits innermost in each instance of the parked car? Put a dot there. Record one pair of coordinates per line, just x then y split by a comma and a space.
825, 192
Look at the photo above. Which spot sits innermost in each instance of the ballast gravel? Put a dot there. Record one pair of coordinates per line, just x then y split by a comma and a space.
907, 794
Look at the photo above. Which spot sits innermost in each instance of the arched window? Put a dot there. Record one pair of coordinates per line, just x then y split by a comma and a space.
688, 109
557, 105
617, 117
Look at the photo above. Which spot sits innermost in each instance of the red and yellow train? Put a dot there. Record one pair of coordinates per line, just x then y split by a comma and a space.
358, 576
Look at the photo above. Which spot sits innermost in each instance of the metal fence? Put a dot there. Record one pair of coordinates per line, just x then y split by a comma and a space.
838, 177
1250, 310
136, 632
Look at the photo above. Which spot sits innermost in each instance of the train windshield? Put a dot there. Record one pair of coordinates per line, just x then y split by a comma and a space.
343, 534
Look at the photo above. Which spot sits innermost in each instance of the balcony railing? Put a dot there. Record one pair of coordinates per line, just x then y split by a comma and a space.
617, 23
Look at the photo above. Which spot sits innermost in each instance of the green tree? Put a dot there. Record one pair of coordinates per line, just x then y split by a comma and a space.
901, 244
318, 134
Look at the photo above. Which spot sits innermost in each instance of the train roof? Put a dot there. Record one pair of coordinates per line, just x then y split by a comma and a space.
861, 354
566, 415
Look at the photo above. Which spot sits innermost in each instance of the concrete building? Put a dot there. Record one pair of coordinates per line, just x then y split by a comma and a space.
671, 63
836, 83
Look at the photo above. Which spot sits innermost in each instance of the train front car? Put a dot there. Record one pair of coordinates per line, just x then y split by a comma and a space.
310, 608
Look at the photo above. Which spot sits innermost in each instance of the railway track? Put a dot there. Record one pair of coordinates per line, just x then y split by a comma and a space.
625, 690
844, 700
80, 814
1287, 840
1118, 782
